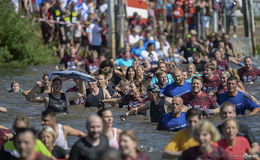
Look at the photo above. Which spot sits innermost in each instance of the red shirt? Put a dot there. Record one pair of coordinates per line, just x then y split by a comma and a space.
222, 65
238, 150
210, 84
178, 13
201, 101
248, 76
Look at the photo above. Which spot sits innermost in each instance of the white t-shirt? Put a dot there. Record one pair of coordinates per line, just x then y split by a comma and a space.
134, 39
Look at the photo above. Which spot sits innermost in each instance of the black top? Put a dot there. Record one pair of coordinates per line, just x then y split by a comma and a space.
157, 110
83, 150
57, 105
59, 152
243, 130
94, 101
200, 66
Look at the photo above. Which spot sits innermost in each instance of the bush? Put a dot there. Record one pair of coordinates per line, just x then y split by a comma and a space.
19, 44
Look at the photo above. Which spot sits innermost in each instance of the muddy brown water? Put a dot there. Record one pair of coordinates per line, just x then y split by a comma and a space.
150, 140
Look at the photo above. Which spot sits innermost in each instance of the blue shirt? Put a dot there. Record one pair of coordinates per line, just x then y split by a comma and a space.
169, 78
241, 101
123, 62
137, 51
174, 90
169, 123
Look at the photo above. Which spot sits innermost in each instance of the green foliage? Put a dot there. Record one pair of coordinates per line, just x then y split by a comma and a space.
19, 43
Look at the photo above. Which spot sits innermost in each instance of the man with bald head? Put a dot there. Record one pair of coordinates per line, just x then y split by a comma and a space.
175, 120
179, 87
93, 145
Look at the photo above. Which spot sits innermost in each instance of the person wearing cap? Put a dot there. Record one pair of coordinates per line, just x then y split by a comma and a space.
175, 120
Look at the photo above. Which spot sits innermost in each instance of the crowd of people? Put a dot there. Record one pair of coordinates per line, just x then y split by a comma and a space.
172, 65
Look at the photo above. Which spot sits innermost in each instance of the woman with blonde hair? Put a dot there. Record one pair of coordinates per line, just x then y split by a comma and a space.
129, 146
46, 135
205, 133
236, 146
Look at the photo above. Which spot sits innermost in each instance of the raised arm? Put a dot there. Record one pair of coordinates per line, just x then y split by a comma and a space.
69, 131
33, 95
76, 95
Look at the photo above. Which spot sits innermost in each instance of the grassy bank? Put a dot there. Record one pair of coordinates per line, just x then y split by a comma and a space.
19, 43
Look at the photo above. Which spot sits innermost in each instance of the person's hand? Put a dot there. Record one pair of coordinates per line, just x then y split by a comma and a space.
3, 109
39, 83
116, 95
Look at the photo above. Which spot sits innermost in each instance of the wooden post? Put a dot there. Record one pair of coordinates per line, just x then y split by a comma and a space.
246, 17
121, 24
112, 28
252, 26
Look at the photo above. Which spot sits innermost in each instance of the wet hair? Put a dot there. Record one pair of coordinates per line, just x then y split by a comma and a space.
210, 66
126, 76
24, 119
123, 82
226, 105
47, 113
193, 112
208, 127
159, 72
224, 124
232, 79
198, 54
198, 78
13, 84
129, 133
101, 111
57, 79
233, 73
45, 74
225, 73
23, 130
48, 130
107, 63
246, 57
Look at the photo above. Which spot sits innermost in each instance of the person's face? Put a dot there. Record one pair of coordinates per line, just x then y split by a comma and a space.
248, 63
25, 144
125, 89
185, 75
92, 84
48, 121
223, 78
15, 87
196, 58
47, 139
127, 55
139, 71
132, 89
218, 56
178, 77
208, 72
57, 86
232, 86
192, 121
203, 137
101, 81
94, 55
163, 67
131, 73
95, 128
162, 79
108, 118
227, 112
196, 86
176, 106
230, 130
127, 145
191, 70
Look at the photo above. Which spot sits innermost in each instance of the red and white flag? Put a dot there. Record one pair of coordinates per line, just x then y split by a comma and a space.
138, 6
